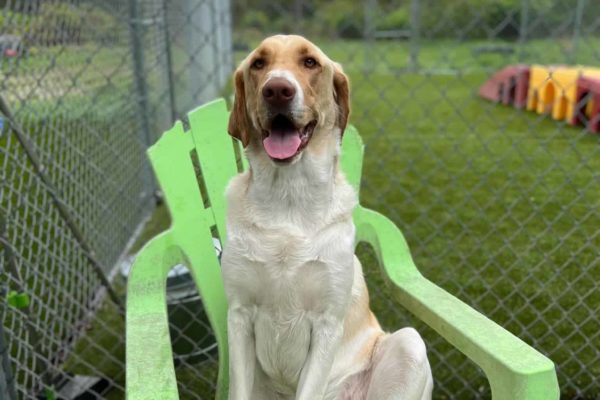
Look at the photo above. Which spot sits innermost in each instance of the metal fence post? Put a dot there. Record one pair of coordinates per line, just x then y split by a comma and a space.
168, 63
369, 32
415, 33
7, 380
201, 83
577, 29
215, 43
227, 44
137, 50
217, 10
523, 23
299, 14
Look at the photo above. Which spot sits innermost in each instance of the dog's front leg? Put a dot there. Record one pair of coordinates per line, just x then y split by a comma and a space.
327, 331
242, 354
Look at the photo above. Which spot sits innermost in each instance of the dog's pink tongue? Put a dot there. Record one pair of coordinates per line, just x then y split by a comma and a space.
282, 144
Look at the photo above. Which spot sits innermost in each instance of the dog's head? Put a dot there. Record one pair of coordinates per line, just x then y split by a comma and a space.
288, 93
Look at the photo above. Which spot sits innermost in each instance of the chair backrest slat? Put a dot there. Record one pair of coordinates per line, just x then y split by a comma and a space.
191, 221
172, 164
214, 147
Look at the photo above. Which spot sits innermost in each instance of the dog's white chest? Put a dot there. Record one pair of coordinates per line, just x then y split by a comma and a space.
282, 324
284, 280
287, 280
287, 267
284, 354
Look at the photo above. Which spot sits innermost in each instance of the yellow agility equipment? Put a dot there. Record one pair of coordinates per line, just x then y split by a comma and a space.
553, 89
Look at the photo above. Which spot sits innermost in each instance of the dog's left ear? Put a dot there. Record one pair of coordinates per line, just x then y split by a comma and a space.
341, 94
238, 119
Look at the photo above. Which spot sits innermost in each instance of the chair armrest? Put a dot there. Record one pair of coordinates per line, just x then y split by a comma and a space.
149, 360
514, 369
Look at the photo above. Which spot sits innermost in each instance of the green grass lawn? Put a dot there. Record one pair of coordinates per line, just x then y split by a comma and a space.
495, 203
500, 206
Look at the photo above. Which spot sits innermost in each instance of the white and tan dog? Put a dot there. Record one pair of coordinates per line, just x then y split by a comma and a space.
299, 321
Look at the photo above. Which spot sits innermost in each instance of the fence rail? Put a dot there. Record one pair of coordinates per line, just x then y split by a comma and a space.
499, 205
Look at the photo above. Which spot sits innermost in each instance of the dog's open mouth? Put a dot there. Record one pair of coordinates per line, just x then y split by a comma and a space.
284, 140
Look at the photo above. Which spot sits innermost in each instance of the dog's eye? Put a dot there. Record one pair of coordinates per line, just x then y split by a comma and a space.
310, 62
258, 63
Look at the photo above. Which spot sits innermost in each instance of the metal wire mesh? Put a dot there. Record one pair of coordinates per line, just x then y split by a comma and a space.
69, 88
89, 83
500, 206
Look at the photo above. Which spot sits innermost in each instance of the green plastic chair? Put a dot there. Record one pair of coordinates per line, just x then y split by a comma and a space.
514, 369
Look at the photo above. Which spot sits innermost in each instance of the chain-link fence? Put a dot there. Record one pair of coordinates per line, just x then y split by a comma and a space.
500, 205
89, 85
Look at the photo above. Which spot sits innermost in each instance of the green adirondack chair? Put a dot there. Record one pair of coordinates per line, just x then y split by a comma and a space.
514, 369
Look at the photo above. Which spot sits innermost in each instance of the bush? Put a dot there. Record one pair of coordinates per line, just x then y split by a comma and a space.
102, 27
14, 23
341, 18
57, 23
256, 20
62, 23
397, 19
476, 19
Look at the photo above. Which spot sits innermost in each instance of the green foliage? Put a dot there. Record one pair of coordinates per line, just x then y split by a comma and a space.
471, 19
500, 19
460, 19
259, 22
340, 18
62, 23
257, 25
14, 23
57, 24
397, 19
256, 19
100, 26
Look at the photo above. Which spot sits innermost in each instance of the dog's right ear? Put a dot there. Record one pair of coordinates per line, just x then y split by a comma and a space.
342, 96
238, 119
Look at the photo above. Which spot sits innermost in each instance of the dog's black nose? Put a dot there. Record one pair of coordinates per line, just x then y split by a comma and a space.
278, 92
